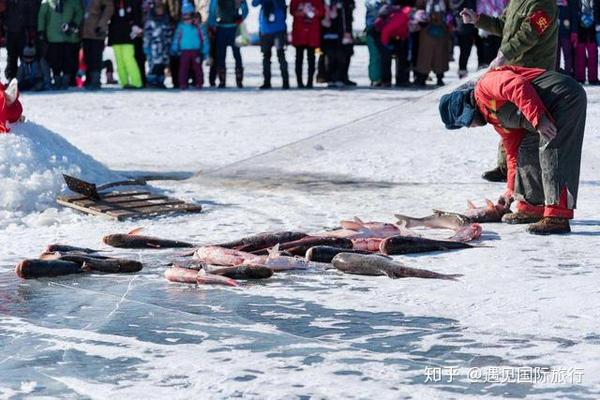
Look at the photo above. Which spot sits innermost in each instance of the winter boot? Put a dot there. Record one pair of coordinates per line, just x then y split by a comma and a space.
495, 175
239, 77
110, 79
420, 79
440, 80
550, 226
283, 67
520, 218
66, 82
212, 75
94, 80
222, 73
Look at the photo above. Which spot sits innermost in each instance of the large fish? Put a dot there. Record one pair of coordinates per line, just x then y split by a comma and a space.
96, 263
299, 247
28, 269
228, 257
437, 220
396, 245
63, 248
241, 271
185, 275
358, 229
132, 240
324, 254
490, 213
374, 265
262, 241
234, 272
467, 233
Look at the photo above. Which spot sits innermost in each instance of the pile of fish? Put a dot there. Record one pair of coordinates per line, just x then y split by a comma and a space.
356, 247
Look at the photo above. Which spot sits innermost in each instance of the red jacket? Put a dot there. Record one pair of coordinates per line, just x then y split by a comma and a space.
510, 84
306, 31
394, 26
8, 114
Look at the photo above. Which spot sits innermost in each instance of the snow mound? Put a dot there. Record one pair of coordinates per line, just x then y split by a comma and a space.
32, 161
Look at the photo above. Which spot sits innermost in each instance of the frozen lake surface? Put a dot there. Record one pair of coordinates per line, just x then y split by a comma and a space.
295, 160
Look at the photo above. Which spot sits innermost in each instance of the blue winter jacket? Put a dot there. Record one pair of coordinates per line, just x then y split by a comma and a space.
272, 16
213, 11
190, 37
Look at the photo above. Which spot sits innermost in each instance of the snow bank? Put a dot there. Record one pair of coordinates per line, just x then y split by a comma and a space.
32, 161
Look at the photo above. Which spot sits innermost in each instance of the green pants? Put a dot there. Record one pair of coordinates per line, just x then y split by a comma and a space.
374, 58
127, 67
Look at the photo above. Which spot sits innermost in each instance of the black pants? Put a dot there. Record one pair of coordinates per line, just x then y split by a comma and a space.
399, 50
348, 51
140, 58
212, 72
310, 56
62, 58
267, 42
335, 60
15, 42
465, 43
92, 53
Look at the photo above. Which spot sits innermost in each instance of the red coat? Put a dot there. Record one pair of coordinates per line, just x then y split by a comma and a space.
394, 26
306, 31
8, 114
510, 84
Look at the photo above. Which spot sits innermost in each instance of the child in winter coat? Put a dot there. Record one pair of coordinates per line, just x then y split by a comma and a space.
29, 73
433, 44
588, 38
157, 36
190, 43
306, 35
125, 27
10, 106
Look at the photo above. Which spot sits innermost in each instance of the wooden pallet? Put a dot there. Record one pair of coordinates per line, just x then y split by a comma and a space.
129, 205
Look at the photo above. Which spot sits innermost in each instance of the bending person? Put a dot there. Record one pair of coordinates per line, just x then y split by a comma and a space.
540, 116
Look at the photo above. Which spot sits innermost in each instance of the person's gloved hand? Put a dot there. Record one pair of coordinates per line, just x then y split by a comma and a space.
546, 128
499, 61
469, 16
574, 39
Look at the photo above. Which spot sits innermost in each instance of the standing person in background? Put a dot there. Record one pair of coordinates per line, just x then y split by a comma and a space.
567, 33
273, 33
157, 42
433, 44
20, 23
466, 34
190, 44
58, 25
224, 18
306, 35
529, 31
125, 26
392, 22
588, 38
346, 8
489, 44
95, 30
174, 12
334, 29
204, 9
373, 39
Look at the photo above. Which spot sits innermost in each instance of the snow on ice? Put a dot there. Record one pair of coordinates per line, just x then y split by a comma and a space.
300, 160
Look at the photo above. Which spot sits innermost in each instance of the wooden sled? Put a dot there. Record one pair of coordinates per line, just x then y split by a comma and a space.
128, 204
